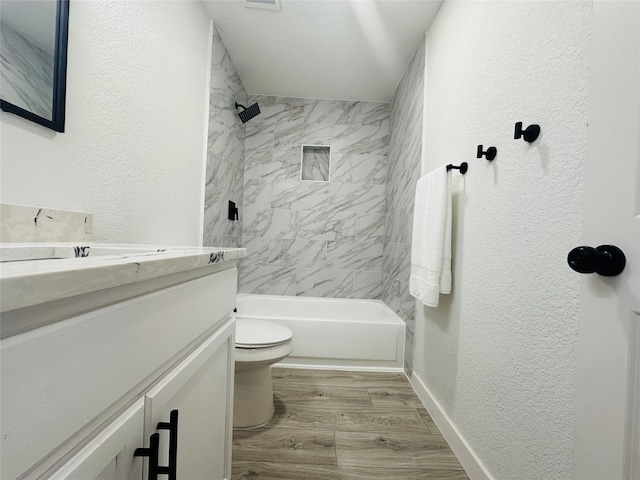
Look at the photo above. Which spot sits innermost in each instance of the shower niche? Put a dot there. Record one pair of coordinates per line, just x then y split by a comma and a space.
314, 165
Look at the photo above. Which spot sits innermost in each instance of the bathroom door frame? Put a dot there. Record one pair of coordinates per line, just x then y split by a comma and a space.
606, 435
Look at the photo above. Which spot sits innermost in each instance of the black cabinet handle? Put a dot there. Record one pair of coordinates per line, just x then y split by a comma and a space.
605, 260
172, 426
152, 452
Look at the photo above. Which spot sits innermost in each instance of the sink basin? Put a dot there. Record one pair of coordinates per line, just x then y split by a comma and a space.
37, 273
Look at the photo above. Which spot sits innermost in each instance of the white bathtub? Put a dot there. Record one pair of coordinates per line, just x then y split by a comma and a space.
333, 332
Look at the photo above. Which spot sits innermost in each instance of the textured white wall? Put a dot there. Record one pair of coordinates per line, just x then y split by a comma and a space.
499, 353
132, 152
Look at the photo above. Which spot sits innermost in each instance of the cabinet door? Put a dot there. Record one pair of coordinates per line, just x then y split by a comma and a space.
84, 365
201, 389
109, 456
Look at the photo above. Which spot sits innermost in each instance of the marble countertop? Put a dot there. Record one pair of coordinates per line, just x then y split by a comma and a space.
35, 273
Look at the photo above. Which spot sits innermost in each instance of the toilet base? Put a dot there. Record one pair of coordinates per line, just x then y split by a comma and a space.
253, 397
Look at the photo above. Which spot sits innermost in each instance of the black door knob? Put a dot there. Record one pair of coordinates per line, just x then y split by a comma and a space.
606, 260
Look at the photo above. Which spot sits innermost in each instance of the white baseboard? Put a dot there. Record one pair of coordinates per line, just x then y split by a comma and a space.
466, 455
345, 367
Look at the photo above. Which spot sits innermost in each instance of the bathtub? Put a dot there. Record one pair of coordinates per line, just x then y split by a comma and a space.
333, 332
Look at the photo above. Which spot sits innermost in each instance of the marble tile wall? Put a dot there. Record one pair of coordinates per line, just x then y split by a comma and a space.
225, 150
27, 73
405, 150
25, 224
314, 238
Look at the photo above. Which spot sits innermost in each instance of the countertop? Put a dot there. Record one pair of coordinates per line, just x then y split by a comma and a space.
32, 274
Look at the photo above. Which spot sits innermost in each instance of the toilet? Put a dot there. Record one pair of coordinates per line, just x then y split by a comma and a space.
259, 344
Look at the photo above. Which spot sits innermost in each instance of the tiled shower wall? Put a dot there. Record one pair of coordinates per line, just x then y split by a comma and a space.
405, 150
307, 237
225, 150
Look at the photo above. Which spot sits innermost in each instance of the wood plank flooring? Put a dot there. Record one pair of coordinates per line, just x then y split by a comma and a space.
336, 425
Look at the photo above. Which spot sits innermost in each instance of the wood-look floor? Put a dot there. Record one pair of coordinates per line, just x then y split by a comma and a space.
335, 425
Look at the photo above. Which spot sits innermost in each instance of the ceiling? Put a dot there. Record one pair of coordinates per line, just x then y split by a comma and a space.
334, 49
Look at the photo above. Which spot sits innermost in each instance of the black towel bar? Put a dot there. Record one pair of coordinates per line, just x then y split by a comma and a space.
464, 166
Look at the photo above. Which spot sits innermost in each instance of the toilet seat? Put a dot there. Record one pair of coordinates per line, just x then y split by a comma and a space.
256, 334
246, 357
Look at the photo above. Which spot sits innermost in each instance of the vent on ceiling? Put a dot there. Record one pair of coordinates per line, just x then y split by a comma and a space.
270, 4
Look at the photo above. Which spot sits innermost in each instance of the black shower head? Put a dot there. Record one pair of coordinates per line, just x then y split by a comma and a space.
248, 113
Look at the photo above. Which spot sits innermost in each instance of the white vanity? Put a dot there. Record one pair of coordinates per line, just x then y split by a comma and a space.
97, 351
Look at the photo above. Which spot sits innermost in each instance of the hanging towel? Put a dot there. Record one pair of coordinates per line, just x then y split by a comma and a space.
431, 241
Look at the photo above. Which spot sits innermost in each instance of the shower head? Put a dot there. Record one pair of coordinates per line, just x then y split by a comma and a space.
248, 113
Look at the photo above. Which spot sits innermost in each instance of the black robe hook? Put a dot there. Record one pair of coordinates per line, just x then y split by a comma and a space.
529, 134
490, 154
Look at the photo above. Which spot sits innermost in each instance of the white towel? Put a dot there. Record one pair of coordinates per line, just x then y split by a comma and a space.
431, 241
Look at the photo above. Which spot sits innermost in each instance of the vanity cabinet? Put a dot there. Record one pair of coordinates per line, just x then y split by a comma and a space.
81, 395
200, 389
109, 456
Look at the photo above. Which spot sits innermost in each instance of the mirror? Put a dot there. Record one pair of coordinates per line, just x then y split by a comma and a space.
33, 45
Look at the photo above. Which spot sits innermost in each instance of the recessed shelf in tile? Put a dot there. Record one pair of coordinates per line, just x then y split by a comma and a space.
315, 163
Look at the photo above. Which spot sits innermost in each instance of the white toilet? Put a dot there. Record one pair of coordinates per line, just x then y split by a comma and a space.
259, 344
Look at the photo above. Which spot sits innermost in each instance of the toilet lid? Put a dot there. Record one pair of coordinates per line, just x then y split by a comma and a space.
260, 333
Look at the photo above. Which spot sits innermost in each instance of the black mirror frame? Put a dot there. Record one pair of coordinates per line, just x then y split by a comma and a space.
59, 76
